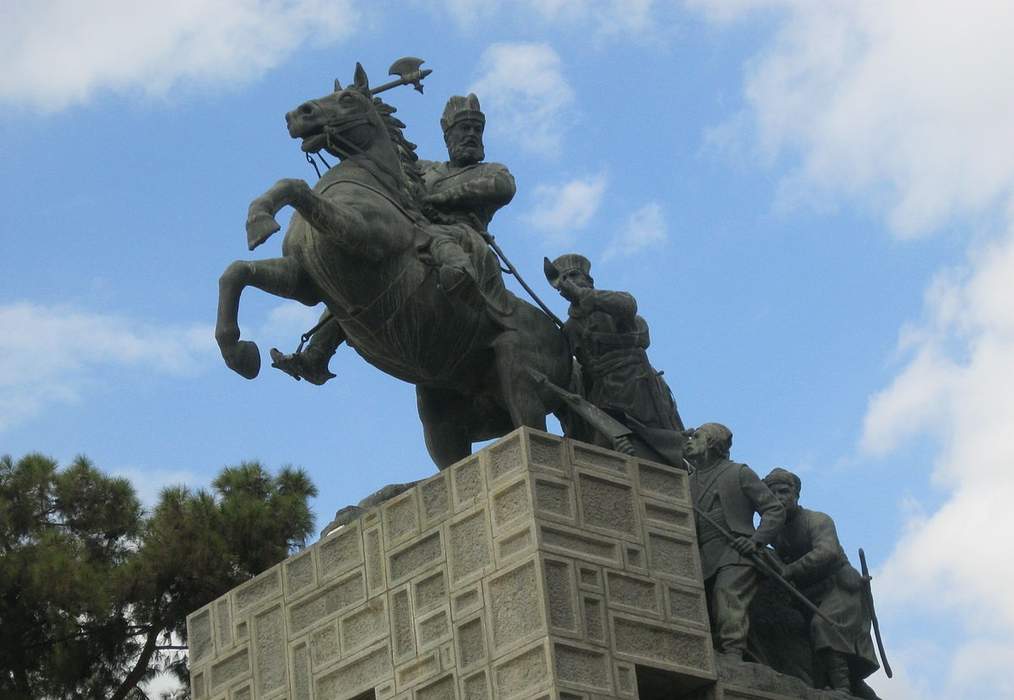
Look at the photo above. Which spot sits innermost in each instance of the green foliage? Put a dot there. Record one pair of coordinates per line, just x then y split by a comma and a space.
94, 593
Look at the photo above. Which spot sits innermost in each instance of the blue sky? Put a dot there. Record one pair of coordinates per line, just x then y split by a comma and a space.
811, 202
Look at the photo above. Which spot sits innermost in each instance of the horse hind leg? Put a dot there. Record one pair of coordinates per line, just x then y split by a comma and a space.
445, 417
519, 389
278, 276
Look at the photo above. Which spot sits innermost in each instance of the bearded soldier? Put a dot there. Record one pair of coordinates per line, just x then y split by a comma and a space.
816, 563
464, 189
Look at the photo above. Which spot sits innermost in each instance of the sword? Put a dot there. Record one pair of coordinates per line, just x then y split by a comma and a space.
873, 613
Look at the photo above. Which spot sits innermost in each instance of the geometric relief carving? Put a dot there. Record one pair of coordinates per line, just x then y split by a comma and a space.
269, 650
670, 556
337, 596
416, 557
364, 626
341, 552
401, 517
667, 645
469, 547
632, 592
510, 594
594, 458
669, 484
607, 504
582, 666
560, 589
522, 672
505, 457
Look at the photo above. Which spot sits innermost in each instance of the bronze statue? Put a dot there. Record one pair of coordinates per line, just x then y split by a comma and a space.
815, 561
357, 242
610, 341
464, 190
729, 494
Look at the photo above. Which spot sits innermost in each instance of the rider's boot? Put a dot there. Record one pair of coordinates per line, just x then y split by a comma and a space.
455, 269
311, 365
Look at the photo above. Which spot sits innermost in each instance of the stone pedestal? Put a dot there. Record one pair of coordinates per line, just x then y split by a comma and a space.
537, 568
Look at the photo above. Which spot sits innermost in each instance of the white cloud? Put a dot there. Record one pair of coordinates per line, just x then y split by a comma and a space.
957, 389
904, 105
604, 18
562, 209
525, 95
51, 355
55, 53
645, 228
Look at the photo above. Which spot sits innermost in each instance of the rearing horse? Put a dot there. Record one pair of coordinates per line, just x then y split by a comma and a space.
357, 242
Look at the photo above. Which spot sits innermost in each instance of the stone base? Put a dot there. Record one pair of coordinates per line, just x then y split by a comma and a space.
537, 568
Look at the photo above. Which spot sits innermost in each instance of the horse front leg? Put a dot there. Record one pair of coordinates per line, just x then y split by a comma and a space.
278, 276
346, 226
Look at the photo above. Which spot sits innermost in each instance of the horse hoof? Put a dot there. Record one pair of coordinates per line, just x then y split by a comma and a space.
260, 227
246, 359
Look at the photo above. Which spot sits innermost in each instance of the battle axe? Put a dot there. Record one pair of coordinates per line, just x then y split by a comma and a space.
409, 73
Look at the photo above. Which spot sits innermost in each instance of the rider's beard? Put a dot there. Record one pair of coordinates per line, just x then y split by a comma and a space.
467, 154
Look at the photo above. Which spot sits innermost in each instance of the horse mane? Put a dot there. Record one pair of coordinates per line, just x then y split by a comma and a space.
406, 149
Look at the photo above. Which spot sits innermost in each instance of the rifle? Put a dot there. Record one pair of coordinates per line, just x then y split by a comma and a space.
769, 568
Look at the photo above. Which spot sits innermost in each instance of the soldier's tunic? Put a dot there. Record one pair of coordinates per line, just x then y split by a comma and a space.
730, 493
610, 341
816, 562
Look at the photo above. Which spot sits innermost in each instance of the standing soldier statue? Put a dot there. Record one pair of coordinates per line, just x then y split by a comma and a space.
728, 494
610, 342
815, 561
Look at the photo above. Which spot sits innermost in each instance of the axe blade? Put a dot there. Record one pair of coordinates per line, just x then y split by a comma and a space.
405, 66
409, 73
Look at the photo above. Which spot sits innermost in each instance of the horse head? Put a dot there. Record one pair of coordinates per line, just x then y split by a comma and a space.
342, 123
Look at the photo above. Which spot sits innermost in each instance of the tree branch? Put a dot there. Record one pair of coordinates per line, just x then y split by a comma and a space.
141, 667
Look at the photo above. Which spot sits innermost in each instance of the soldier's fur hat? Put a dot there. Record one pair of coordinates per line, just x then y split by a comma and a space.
458, 108
720, 437
557, 270
783, 476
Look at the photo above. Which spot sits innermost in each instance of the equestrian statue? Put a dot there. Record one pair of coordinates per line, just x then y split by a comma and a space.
419, 296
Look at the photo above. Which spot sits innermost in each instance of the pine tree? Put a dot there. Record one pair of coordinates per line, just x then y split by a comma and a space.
94, 593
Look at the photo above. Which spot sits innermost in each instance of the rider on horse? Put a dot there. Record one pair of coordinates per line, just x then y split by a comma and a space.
460, 198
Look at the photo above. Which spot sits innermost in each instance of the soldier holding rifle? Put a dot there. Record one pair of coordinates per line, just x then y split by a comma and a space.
726, 495
815, 561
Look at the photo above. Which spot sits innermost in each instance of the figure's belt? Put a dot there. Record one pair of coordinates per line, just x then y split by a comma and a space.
632, 339
706, 532
617, 359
